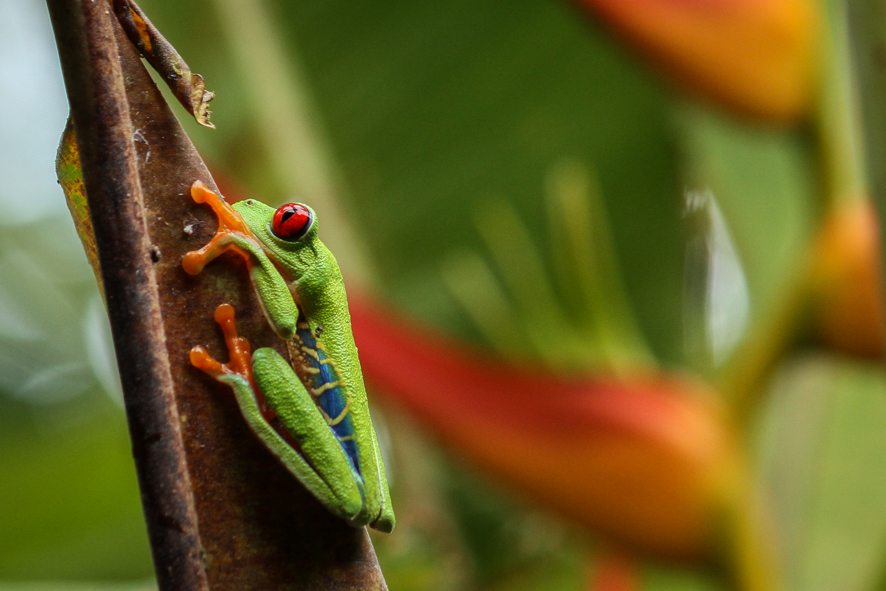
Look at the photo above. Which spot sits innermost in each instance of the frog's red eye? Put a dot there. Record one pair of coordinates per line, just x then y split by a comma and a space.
291, 221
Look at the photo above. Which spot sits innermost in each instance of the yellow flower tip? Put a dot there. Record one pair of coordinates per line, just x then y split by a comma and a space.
755, 57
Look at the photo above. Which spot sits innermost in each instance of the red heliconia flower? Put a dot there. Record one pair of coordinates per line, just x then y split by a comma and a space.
754, 56
643, 459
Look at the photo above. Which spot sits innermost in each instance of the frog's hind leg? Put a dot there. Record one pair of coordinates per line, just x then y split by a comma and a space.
299, 417
327, 472
239, 365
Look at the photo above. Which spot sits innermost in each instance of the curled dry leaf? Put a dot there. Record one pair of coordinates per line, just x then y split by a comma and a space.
188, 87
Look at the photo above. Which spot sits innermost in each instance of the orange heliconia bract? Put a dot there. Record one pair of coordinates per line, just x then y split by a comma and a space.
755, 57
848, 293
646, 460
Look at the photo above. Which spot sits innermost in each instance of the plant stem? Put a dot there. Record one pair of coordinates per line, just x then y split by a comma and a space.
743, 379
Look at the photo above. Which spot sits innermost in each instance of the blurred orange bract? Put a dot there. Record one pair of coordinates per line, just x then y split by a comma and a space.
756, 57
642, 459
848, 289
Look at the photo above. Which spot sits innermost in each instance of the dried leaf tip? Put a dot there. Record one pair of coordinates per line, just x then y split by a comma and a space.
188, 87
200, 99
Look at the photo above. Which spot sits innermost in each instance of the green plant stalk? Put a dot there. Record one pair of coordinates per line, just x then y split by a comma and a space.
753, 566
586, 264
742, 380
842, 180
839, 138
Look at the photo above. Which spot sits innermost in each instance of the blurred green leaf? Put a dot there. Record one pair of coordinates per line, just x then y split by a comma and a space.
69, 508
536, 547
822, 451
764, 182
45, 324
140, 585
665, 578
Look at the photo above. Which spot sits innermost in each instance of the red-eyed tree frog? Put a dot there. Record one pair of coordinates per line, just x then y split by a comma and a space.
313, 414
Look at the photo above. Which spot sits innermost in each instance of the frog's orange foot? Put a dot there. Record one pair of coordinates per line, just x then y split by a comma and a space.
239, 349
200, 193
229, 224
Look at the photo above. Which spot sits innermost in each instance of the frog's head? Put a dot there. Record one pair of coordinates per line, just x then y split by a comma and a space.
288, 233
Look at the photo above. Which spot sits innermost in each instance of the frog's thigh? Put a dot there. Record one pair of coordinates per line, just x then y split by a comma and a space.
301, 418
290, 458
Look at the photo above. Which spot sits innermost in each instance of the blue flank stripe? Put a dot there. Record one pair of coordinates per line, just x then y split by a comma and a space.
333, 400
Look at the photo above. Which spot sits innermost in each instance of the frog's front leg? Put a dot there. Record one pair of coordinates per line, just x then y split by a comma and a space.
292, 426
234, 235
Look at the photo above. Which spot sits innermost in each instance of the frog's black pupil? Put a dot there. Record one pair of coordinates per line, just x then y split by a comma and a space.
286, 215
